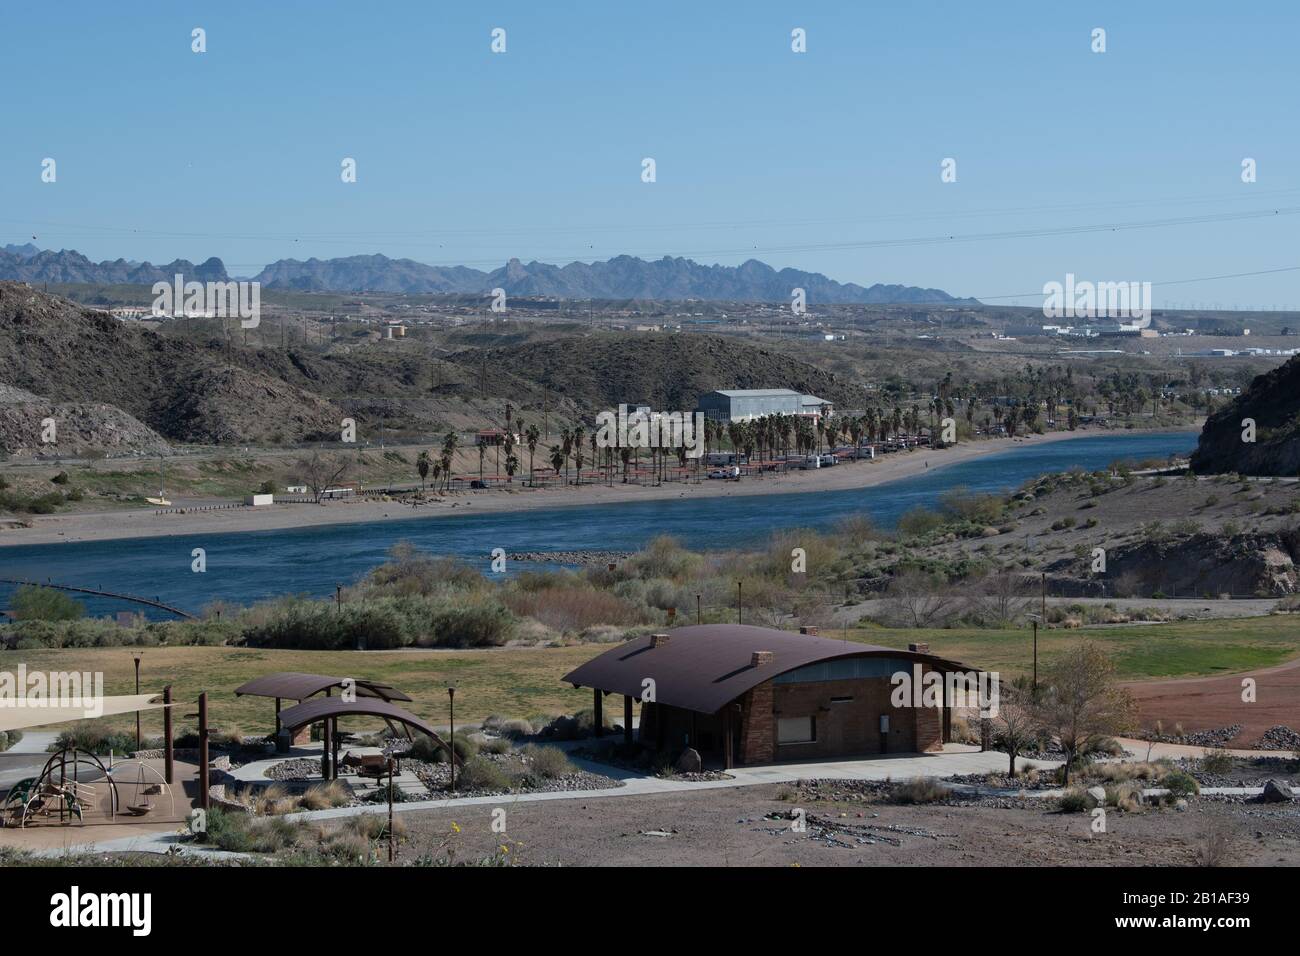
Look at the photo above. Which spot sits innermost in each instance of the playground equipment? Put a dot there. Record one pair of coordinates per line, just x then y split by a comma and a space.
57, 789
148, 783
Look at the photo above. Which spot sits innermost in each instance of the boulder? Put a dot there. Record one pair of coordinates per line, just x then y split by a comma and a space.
689, 761
1096, 797
1275, 791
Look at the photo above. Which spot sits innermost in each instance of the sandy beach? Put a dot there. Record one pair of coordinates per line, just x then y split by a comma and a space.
91, 526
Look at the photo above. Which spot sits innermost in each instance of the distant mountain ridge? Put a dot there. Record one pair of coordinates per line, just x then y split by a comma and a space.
623, 277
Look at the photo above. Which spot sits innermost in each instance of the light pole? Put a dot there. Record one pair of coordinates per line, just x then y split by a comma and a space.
1034, 620
137, 713
451, 742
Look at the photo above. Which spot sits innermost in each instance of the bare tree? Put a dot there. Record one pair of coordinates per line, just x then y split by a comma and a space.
324, 472
1002, 598
1080, 701
917, 599
1015, 723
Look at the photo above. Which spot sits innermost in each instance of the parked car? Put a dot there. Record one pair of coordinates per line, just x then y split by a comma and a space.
828, 460
732, 472
478, 484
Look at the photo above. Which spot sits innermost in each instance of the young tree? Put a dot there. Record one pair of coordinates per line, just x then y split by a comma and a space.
1080, 701
1015, 722
531, 436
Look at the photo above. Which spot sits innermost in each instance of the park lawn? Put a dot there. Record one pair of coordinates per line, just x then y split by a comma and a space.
527, 682
512, 682
1140, 651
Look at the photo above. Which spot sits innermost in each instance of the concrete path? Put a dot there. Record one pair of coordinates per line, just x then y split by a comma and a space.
1140, 748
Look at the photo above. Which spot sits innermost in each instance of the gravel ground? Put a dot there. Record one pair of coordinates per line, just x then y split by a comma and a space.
730, 827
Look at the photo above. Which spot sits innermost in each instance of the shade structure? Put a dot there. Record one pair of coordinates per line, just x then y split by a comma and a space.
21, 716
292, 685
330, 708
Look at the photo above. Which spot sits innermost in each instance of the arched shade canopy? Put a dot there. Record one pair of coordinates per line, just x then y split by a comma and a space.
290, 685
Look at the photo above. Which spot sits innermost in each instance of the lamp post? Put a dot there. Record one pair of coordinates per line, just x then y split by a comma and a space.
137, 690
1033, 618
451, 743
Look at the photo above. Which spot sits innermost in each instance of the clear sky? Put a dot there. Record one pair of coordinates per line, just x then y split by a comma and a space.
827, 160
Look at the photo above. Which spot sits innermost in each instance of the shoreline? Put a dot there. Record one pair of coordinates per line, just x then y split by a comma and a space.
122, 525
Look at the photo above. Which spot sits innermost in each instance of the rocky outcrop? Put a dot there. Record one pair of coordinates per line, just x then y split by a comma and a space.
1206, 564
1273, 402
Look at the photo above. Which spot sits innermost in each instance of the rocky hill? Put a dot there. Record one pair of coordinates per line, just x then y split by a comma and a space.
69, 355
81, 428
1273, 401
668, 371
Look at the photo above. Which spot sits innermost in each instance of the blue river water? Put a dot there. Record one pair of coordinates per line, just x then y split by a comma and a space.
245, 567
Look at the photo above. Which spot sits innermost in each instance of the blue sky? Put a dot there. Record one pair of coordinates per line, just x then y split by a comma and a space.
822, 161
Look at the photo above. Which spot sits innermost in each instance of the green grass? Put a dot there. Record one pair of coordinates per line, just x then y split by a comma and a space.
527, 681
1179, 649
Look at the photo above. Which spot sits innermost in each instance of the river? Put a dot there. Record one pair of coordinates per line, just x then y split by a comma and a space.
246, 567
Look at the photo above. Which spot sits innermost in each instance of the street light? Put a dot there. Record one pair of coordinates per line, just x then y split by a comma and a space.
1034, 618
451, 742
137, 713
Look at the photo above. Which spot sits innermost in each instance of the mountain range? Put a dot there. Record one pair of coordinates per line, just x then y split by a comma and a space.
623, 277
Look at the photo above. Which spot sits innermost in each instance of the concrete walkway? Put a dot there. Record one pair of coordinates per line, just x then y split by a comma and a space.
1158, 751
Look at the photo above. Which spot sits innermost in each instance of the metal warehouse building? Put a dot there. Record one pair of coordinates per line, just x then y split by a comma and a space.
742, 404
742, 695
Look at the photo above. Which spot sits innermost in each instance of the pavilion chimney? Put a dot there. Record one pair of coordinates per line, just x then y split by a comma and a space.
760, 658
810, 629
659, 640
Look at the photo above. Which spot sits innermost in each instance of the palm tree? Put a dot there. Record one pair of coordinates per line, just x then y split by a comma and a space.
558, 459
437, 471
578, 451
422, 466
531, 436
566, 447
448, 455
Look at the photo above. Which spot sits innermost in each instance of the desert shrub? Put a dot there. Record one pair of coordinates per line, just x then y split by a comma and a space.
575, 727
664, 557
1073, 800
479, 773
325, 796
1217, 761
1215, 843
573, 609
919, 521
427, 749
92, 739
515, 728
1180, 783
372, 826
547, 762
381, 795
33, 603
920, 790
411, 573
496, 745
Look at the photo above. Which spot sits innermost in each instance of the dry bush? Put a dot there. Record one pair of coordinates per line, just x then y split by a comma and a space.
920, 790
573, 609
1216, 843
326, 796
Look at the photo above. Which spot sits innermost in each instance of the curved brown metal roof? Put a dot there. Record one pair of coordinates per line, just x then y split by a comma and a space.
291, 685
704, 666
323, 707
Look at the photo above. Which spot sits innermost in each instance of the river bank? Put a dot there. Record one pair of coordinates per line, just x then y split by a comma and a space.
117, 525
